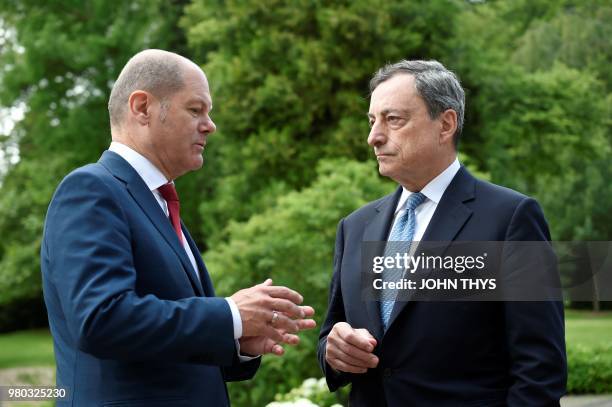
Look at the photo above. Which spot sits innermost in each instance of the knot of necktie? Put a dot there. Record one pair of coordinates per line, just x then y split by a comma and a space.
414, 200
168, 192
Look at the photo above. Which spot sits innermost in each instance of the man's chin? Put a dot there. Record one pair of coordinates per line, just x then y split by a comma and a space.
384, 170
197, 163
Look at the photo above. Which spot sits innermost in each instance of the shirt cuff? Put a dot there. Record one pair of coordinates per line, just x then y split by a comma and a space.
243, 358
235, 318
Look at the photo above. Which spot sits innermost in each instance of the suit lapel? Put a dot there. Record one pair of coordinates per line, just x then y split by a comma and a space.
202, 271
448, 219
376, 231
145, 199
451, 213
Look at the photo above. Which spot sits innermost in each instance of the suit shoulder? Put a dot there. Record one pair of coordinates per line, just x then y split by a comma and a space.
90, 173
90, 178
503, 202
499, 193
92, 170
366, 211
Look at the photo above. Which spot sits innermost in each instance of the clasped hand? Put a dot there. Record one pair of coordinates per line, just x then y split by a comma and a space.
271, 316
350, 350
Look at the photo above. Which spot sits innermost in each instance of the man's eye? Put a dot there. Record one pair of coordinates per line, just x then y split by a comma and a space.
194, 110
370, 123
393, 119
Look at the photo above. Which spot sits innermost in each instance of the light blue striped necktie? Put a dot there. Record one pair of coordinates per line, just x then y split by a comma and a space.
403, 231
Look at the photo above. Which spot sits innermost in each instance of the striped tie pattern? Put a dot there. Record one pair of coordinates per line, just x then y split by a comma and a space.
399, 241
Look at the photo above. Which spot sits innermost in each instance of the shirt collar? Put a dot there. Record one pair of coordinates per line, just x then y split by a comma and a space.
435, 188
149, 173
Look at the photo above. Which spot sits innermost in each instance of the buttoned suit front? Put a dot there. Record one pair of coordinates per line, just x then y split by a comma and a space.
449, 353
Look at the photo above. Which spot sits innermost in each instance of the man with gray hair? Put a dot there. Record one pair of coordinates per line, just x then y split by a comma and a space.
398, 351
131, 306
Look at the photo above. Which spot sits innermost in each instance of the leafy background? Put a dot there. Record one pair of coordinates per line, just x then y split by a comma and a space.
290, 159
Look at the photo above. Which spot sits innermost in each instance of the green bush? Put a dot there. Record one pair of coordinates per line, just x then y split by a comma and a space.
289, 84
292, 242
589, 369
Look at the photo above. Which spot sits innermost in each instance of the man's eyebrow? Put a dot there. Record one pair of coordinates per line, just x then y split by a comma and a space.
398, 111
200, 100
386, 112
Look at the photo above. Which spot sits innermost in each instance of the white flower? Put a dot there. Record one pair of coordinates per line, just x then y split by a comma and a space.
304, 403
301, 402
322, 385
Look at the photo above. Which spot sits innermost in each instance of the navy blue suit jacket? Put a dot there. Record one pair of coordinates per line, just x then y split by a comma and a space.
132, 325
450, 353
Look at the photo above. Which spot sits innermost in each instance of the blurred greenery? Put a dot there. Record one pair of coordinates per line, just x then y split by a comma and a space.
26, 348
291, 88
590, 369
588, 329
290, 159
588, 336
292, 242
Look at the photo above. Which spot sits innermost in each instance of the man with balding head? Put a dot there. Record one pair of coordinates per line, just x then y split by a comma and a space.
132, 309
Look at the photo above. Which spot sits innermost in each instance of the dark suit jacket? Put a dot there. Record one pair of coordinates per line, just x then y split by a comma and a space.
131, 323
450, 353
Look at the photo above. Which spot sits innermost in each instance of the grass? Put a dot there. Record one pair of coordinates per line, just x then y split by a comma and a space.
588, 329
35, 348
26, 348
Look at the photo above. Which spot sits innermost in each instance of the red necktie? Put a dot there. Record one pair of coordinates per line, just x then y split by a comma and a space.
168, 192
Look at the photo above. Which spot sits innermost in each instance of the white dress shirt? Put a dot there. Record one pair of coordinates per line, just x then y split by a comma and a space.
433, 191
154, 179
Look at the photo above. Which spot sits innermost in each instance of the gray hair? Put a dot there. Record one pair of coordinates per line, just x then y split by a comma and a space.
155, 71
439, 87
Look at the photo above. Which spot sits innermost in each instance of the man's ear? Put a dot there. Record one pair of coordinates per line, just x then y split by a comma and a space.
139, 104
448, 121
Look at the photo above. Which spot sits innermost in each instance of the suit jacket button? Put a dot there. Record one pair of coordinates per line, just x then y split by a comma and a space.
387, 373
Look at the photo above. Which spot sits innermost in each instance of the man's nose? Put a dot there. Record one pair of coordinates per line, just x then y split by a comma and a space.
207, 126
377, 136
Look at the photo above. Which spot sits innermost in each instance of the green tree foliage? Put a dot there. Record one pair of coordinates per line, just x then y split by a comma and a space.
539, 99
60, 60
289, 85
292, 242
289, 82
578, 36
553, 141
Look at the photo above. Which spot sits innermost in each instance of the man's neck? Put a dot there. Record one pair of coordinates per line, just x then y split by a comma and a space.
129, 141
417, 185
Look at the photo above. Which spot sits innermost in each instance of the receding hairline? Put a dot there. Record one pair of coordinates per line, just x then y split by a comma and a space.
154, 54
160, 72
395, 76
